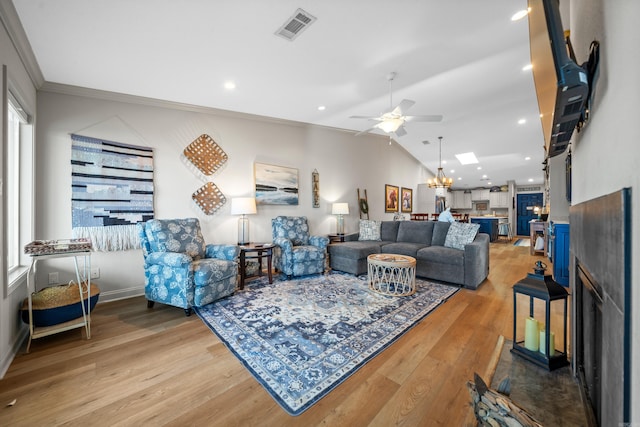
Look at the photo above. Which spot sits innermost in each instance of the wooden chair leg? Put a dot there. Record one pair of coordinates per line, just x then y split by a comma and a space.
150, 304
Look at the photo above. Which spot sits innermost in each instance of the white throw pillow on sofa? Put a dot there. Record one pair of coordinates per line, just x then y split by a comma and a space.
369, 229
460, 234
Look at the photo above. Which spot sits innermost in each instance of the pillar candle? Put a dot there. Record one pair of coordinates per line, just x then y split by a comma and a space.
552, 343
531, 334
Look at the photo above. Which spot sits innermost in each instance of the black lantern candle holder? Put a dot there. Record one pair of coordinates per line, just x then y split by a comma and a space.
540, 349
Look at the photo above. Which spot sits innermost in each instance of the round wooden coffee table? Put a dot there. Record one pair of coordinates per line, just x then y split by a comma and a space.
392, 274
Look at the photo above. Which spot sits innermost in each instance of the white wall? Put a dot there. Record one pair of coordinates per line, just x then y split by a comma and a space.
12, 330
344, 162
606, 154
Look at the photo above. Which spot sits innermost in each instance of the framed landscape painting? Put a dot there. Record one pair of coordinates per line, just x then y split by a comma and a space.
276, 185
406, 200
391, 195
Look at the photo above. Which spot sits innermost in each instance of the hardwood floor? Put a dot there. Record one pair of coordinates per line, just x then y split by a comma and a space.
157, 367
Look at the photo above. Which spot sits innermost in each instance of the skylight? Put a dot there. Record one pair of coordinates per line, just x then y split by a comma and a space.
467, 158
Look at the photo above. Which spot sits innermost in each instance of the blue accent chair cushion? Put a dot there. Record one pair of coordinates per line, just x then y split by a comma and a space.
297, 253
180, 269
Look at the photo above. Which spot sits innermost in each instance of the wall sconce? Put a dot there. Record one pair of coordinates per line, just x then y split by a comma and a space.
340, 209
243, 206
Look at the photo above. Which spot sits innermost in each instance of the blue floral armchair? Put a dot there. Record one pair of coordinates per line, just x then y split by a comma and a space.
296, 252
180, 269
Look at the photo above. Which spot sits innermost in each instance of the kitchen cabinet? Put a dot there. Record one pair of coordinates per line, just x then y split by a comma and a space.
559, 242
480, 194
452, 199
488, 226
458, 199
464, 200
498, 199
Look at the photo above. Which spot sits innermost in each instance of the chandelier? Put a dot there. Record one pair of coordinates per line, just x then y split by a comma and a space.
440, 181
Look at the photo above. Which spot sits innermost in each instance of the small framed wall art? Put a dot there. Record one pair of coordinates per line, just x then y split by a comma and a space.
406, 200
276, 185
315, 188
391, 198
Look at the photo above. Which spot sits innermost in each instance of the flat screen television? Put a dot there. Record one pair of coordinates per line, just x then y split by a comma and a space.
562, 86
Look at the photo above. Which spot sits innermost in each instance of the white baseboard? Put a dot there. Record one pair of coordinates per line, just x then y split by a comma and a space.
13, 351
121, 294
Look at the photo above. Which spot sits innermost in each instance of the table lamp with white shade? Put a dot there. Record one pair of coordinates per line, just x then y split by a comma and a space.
340, 209
243, 206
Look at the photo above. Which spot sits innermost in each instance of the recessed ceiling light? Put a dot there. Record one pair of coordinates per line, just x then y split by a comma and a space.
527, 158
522, 121
520, 14
479, 168
489, 183
321, 108
467, 158
229, 85
484, 176
459, 178
452, 171
527, 67
530, 179
444, 162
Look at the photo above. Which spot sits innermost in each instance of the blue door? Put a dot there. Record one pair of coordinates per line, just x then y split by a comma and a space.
525, 215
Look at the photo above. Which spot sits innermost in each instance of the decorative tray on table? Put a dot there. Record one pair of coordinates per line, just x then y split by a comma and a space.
46, 247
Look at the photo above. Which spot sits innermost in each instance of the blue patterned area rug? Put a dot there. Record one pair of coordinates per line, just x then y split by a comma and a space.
301, 338
522, 242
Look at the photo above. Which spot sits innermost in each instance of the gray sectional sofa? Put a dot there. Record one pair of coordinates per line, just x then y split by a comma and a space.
423, 240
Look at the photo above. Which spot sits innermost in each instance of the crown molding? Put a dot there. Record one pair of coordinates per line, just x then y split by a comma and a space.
65, 89
13, 26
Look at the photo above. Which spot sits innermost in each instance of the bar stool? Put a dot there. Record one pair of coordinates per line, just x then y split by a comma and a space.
504, 230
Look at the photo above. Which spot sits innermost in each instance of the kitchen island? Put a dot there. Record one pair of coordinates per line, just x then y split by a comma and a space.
488, 225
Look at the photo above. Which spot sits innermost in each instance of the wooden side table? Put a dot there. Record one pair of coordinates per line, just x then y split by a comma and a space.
336, 238
255, 251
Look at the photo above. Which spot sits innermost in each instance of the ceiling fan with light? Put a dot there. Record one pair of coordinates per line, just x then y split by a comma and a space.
393, 121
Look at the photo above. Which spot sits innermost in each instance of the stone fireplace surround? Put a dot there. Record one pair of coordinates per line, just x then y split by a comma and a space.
601, 304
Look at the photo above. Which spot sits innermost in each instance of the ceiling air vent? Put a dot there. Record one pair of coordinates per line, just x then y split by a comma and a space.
295, 25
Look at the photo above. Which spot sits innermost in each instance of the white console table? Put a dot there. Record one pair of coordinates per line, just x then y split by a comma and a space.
82, 275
